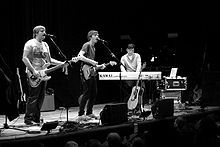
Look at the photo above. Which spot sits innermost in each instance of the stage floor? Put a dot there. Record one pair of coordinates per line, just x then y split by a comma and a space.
17, 128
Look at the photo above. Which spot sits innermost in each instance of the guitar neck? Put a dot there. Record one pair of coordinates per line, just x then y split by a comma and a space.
54, 68
20, 85
138, 81
140, 75
106, 64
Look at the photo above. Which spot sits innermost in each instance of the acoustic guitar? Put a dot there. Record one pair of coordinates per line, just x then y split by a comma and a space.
21, 104
136, 93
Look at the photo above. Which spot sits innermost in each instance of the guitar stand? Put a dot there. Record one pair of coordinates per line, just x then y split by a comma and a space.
6, 126
68, 125
145, 114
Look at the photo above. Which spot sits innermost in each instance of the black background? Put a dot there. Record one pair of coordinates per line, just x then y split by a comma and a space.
147, 23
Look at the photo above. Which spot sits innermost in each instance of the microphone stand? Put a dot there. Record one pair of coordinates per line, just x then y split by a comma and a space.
59, 50
120, 64
65, 58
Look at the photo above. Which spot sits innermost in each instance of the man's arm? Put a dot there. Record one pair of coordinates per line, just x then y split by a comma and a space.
85, 59
138, 63
56, 62
28, 63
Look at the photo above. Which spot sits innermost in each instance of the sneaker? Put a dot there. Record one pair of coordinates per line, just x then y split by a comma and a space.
31, 123
27, 122
92, 116
83, 118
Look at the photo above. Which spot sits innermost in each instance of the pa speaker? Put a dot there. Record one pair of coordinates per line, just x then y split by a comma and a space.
163, 108
113, 114
210, 89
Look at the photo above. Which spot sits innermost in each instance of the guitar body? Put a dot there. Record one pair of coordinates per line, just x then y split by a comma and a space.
88, 71
136, 93
133, 100
43, 71
35, 81
136, 97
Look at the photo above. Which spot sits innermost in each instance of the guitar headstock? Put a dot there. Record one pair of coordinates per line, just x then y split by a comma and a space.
17, 72
112, 63
144, 65
76, 59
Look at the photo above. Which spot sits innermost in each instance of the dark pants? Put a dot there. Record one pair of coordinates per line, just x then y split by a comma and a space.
34, 102
88, 96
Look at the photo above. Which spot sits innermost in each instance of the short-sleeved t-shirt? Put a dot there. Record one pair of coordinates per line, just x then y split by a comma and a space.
39, 53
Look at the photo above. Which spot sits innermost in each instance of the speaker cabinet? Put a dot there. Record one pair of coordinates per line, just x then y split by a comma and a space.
163, 108
48, 104
211, 89
113, 114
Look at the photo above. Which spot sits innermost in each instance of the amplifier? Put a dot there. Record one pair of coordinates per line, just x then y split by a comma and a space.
176, 94
179, 83
48, 103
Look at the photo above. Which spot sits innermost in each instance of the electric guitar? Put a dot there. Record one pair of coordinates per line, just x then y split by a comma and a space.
136, 93
21, 104
35, 81
89, 71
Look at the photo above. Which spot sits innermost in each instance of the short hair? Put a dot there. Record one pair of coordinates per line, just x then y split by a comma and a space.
131, 46
37, 30
113, 138
90, 33
71, 143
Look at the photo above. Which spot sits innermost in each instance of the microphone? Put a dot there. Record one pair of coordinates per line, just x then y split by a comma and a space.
50, 35
101, 39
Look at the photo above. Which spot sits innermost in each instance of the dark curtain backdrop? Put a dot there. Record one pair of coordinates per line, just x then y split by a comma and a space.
146, 23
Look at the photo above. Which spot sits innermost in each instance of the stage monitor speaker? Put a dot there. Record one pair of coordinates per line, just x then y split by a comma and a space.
113, 114
48, 126
48, 104
163, 108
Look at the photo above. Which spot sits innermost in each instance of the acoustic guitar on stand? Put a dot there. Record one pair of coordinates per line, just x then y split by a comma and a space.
136, 93
21, 104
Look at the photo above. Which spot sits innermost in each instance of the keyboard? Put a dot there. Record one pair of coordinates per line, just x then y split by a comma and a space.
151, 75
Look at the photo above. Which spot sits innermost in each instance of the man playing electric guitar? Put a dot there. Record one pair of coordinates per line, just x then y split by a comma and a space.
36, 55
87, 75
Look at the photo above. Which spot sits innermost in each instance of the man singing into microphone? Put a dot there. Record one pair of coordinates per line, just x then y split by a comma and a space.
88, 79
36, 54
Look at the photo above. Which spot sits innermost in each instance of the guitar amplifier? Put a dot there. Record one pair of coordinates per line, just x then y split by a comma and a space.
169, 94
179, 83
48, 103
